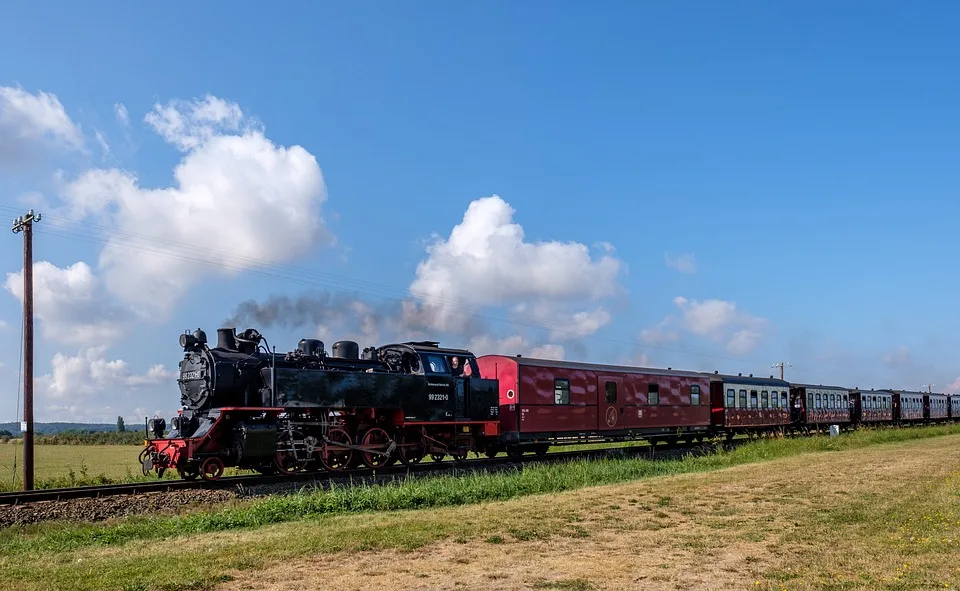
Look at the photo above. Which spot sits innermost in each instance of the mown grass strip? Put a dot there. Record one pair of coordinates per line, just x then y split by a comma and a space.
419, 493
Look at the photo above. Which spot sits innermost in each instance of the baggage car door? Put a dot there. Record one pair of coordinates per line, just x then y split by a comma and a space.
610, 402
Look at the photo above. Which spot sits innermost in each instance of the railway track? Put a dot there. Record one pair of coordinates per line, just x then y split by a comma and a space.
232, 482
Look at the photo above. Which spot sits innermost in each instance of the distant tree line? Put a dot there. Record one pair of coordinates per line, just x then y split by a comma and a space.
81, 437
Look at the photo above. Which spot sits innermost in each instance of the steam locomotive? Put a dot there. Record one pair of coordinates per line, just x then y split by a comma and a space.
245, 406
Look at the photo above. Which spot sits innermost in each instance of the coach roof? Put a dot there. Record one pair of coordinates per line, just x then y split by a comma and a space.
601, 367
821, 387
751, 380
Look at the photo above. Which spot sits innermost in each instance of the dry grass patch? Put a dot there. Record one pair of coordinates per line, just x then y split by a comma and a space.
851, 520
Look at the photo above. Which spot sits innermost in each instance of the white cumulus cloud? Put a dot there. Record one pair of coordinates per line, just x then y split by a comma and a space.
71, 304
88, 386
239, 202
514, 345
486, 261
715, 319
189, 124
30, 121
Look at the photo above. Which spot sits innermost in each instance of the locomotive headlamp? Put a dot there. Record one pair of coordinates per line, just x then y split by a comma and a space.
158, 426
188, 341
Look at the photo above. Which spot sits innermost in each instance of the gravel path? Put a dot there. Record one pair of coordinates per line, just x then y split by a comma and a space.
110, 507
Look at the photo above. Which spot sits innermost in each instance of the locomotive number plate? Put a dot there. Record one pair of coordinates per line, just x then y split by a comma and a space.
438, 397
190, 375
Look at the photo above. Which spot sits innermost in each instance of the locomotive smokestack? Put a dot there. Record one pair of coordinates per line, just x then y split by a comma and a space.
227, 339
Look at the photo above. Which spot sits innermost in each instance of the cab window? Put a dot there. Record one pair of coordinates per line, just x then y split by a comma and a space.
435, 364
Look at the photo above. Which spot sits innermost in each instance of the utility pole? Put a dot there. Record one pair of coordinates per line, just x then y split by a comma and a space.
929, 387
780, 365
25, 224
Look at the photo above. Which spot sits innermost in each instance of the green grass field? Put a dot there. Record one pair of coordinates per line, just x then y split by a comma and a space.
54, 464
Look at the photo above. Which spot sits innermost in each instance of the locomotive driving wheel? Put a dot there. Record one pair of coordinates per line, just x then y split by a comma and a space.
410, 448
332, 458
292, 454
380, 441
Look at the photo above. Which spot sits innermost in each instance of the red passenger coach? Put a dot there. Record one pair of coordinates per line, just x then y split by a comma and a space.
872, 406
935, 407
818, 406
907, 406
544, 402
745, 404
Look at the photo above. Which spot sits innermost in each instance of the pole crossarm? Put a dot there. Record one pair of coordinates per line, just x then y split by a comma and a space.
20, 224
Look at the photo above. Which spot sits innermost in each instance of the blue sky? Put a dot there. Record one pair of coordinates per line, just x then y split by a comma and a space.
797, 159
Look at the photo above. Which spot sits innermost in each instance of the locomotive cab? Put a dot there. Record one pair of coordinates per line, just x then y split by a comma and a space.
456, 390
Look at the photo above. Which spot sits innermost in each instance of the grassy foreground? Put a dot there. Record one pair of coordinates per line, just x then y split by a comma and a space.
248, 535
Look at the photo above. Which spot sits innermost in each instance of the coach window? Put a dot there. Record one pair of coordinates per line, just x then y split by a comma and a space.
731, 398
764, 399
783, 400
754, 402
561, 391
743, 399
611, 388
695, 395
653, 394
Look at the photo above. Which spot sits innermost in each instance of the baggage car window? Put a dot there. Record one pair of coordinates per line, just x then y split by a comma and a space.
653, 394
611, 388
561, 391
731, 398
695, 395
